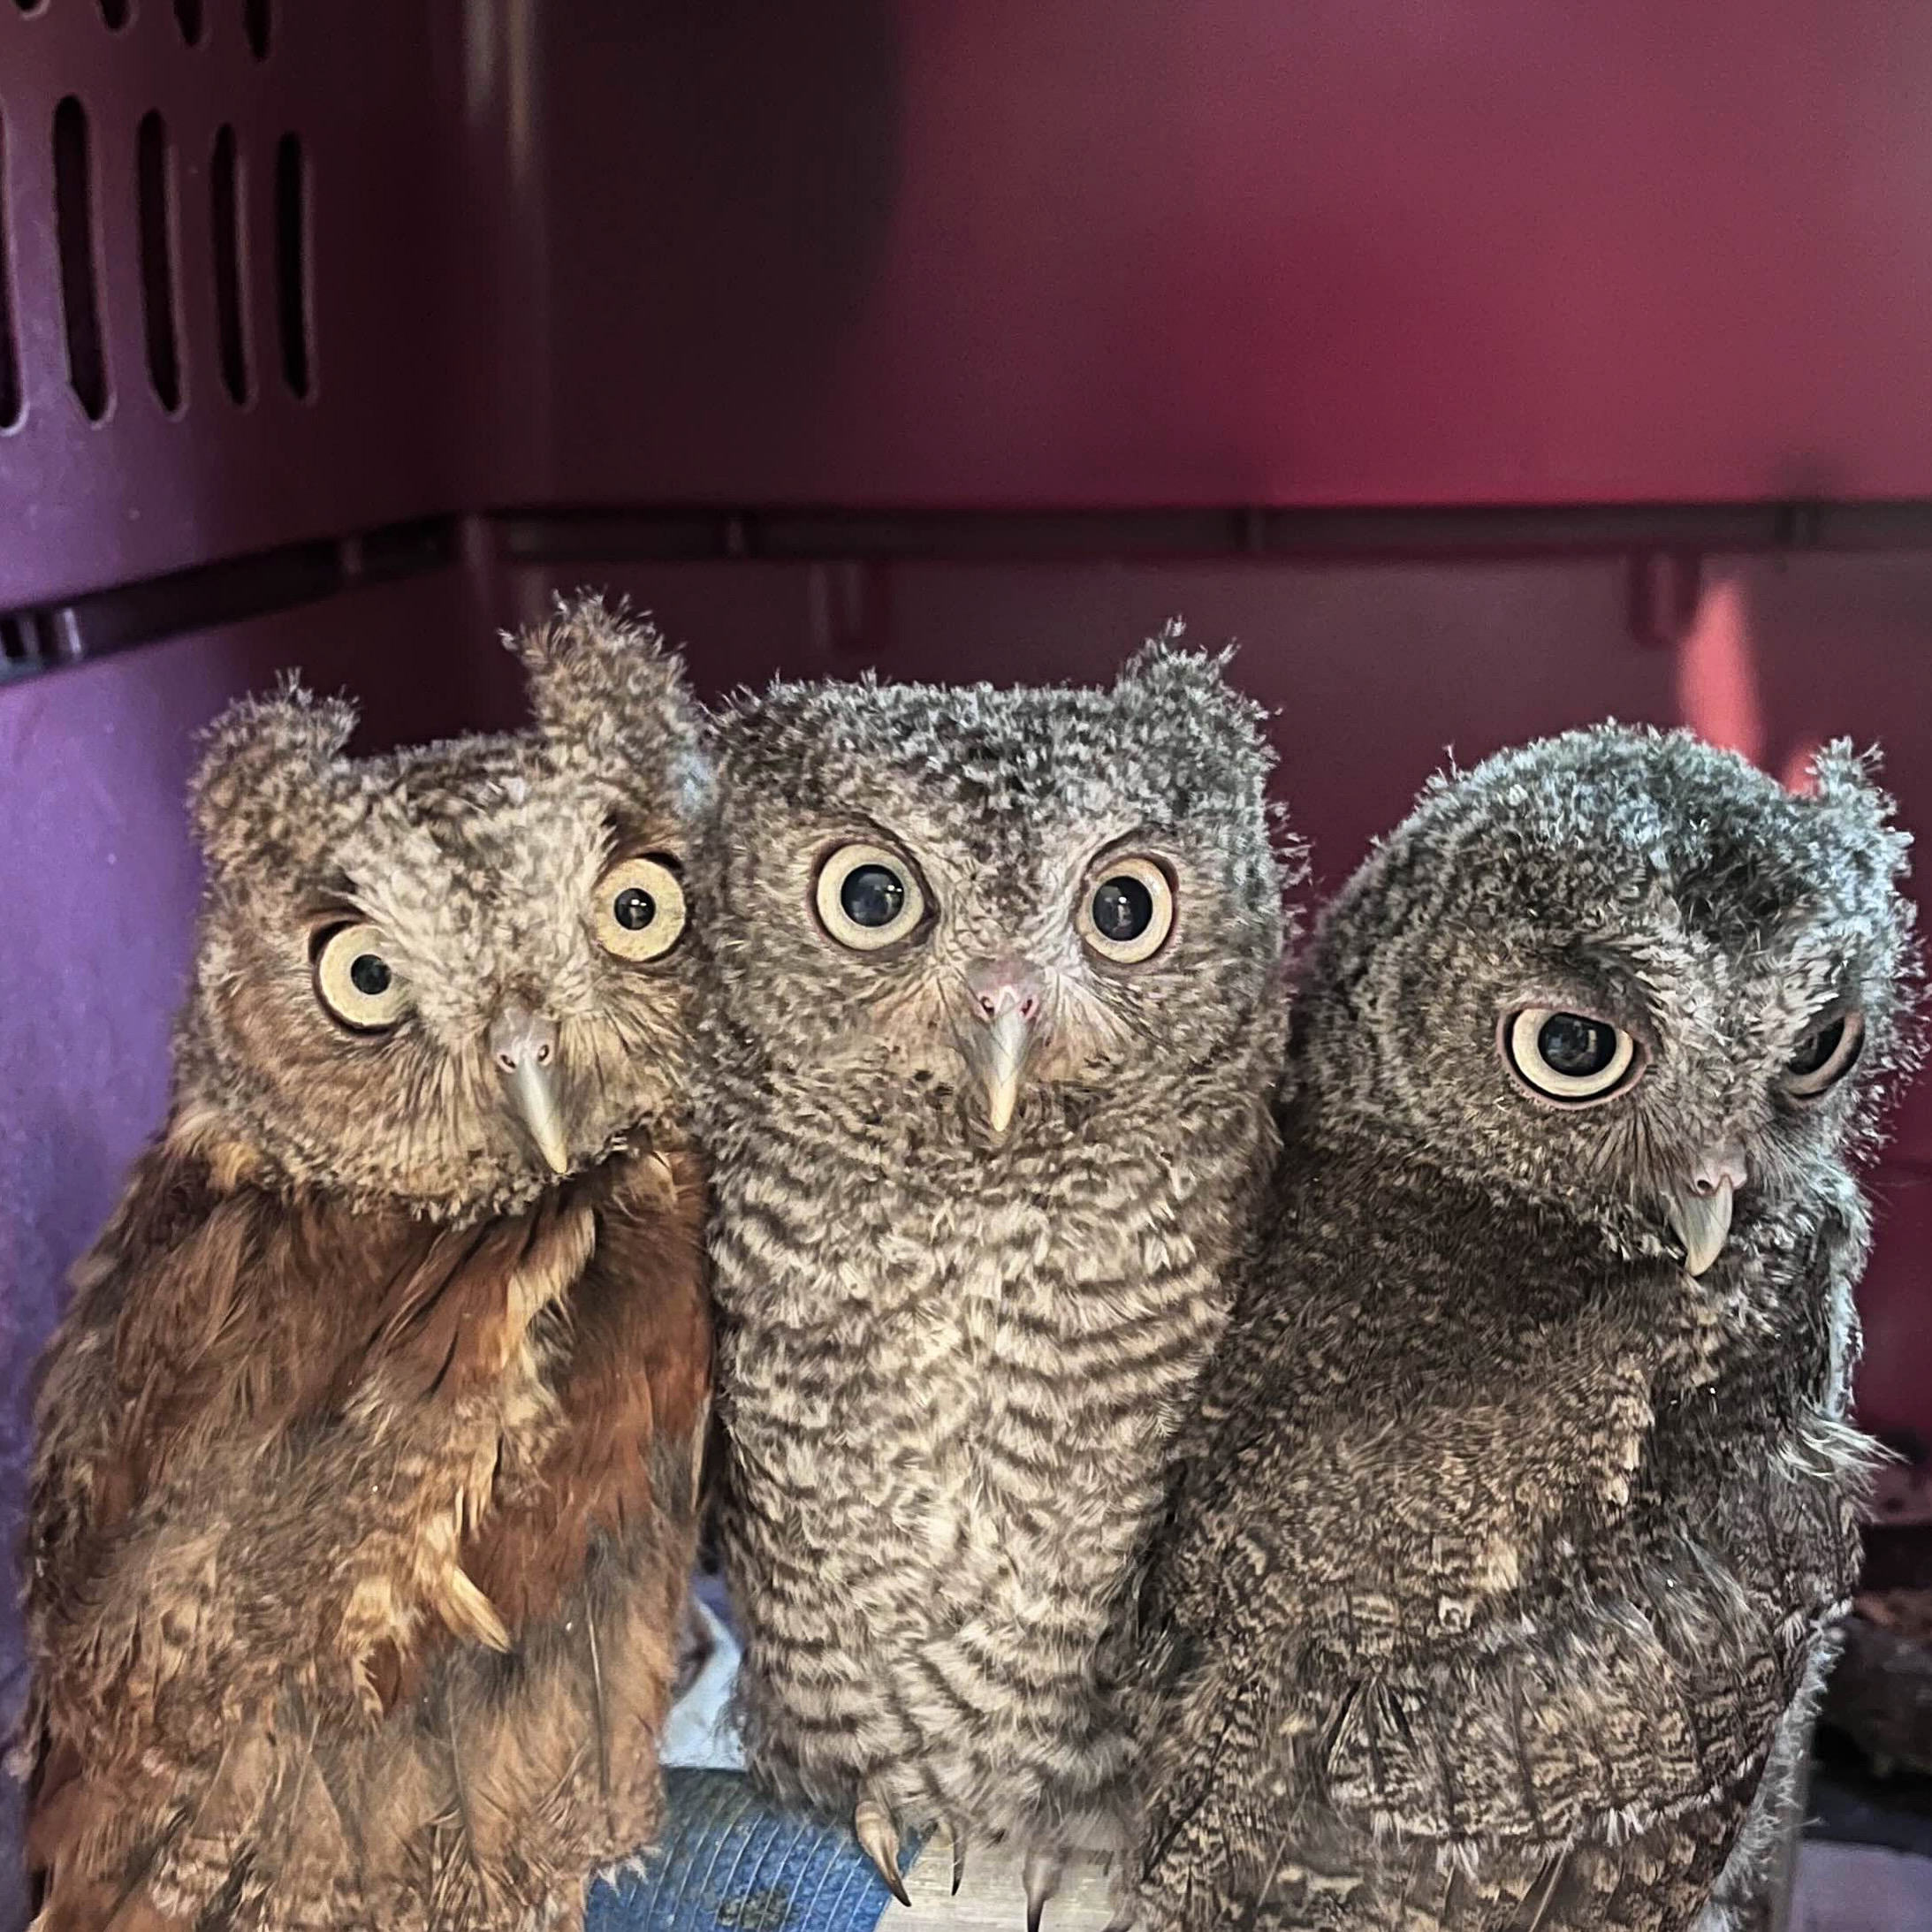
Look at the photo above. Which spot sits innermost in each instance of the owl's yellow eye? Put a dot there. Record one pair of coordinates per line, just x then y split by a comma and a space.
1128, 911
1571, 1057
356, 981
640, 910
868, 897
1825, 1056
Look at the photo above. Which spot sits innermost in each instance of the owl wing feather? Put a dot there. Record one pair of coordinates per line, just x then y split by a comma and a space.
1361, 1695
271, 1438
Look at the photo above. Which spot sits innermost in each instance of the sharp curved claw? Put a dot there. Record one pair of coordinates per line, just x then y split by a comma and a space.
872, 1826
1043, 1870
958, 1836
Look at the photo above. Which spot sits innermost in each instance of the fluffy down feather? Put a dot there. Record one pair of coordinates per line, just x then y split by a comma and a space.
366, 1485
964, 1291
1496, 1586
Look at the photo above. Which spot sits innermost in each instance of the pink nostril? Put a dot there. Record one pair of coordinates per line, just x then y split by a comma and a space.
1720, 1164
521, 1039
1004, 986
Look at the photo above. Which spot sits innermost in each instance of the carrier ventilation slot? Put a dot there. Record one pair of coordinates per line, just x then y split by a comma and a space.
116, 12
154, 199
73, 224
10, 353
292, 263
32, 640
258, 23
187, 17
231, 317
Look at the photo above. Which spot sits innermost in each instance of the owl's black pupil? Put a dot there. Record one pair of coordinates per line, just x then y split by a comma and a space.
634, 909
1813, 1050
369, 975
1577, 1047
872, 895
1123, 908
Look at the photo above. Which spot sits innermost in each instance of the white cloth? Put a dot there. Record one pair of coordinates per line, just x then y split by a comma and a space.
700, 1735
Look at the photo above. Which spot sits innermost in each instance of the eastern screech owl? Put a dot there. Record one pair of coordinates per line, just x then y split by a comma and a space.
364, 1499
1496, 1586
995, 1014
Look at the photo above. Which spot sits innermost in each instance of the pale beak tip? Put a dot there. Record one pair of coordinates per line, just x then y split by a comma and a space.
533, 1094
1003, 1058
1702, 1223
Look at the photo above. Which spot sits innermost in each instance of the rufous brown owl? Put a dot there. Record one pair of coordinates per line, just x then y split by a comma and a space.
368, 1448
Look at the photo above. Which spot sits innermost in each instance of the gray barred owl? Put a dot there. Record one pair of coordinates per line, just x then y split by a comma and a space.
1497, 1584
364, 1497
996, 1018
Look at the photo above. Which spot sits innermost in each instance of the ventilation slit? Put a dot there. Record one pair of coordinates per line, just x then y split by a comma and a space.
73, 224
187, 17
115, 13
32, 640
10, 354
225, 182
155, 205
258, 23
292, 262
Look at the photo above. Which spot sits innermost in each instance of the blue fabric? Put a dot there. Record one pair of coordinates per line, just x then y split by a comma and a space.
727, 1861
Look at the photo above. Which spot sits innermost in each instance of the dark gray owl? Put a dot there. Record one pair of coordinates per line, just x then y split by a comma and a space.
996, 1015
364, 1497
1496, 1585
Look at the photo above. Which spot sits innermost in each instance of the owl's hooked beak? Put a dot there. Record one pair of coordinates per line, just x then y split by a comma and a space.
1699, 1213
1006, 998
524, 1046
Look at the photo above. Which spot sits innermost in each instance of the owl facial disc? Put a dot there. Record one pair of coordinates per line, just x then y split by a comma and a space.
523, 1046
1006, 1001
1699, 1213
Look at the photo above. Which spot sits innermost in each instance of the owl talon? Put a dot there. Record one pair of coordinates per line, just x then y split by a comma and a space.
957, 1834
1043, 1870
872, 1826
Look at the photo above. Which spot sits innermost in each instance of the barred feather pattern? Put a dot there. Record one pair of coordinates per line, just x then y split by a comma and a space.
942, 1461
954, 1347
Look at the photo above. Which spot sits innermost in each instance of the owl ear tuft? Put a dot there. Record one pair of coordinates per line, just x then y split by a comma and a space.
1191, 688
1846, 776
601, 675
1167, 662
1846, 782
262, 768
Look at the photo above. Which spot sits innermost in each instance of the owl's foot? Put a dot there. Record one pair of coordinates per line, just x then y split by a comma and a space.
872, 1826
956, 1836
1043, 1870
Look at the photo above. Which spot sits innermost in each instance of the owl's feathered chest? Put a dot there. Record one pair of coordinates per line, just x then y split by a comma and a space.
949, 1386
981, 1290
1451, 1438
1501, 1551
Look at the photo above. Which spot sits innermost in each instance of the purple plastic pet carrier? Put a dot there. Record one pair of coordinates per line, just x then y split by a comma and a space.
1484, 368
